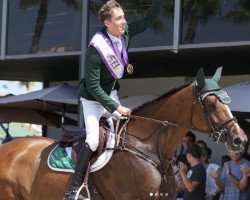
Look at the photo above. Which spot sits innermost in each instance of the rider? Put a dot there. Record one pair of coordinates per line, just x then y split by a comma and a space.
105, 62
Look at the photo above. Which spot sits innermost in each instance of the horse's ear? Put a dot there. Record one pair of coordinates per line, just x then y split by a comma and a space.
217, 74
200, 79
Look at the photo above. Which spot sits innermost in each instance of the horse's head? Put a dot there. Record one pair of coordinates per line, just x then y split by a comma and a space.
214, 103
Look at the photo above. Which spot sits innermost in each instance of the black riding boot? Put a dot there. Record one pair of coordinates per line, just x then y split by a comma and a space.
80, 170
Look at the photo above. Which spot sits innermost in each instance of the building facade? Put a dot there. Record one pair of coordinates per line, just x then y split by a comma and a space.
45, 40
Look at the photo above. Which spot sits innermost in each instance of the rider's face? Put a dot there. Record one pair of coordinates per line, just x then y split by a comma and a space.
117, 23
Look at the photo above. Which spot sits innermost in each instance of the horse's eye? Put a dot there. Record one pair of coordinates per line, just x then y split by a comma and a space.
210, 106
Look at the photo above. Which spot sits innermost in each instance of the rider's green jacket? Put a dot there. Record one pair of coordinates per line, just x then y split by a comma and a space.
98, 83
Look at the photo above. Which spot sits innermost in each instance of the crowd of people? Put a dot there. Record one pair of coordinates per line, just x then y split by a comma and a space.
198, 179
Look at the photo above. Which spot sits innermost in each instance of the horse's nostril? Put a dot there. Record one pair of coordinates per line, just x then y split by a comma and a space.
237, 141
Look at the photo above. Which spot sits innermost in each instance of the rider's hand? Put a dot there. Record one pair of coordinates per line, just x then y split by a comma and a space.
123, 110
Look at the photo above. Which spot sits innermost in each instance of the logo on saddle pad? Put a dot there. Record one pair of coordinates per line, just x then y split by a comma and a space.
63, 157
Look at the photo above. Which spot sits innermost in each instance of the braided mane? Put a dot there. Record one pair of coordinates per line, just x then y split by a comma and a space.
160, 97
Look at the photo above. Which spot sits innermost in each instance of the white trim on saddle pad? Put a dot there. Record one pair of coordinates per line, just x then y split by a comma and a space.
102, 160
58, 169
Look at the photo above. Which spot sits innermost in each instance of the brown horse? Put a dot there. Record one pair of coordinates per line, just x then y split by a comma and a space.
141, 169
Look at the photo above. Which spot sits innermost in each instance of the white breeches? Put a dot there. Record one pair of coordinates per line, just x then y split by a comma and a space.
93, 111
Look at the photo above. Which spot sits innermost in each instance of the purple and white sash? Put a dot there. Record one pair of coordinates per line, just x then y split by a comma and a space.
110, 54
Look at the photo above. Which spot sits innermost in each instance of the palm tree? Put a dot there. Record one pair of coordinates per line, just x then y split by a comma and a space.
42, 17
241, 13
28, 84
198, 11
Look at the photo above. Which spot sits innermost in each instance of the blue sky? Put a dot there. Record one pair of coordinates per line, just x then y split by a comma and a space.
14, 87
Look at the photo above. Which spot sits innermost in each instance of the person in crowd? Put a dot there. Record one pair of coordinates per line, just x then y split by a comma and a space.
212, 190
224, 159
246, 175
204, 148
105, 61
246, 170
202, 144
234, 178
193, 181
186, 141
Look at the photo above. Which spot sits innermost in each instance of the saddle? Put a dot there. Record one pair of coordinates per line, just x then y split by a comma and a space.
73, 136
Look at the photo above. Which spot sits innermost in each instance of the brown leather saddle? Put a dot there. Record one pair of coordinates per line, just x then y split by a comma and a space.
73, 136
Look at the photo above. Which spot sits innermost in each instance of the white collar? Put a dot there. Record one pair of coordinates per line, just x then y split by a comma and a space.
115, 40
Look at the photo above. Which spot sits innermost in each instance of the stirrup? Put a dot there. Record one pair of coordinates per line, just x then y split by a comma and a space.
84, 185
74, 193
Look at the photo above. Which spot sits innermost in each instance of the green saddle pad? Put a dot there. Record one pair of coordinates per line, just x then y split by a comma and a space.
60, 161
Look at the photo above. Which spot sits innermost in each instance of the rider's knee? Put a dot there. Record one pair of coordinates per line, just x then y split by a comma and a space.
93, 145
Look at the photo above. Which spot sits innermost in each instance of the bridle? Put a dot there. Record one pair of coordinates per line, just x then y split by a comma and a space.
218, 131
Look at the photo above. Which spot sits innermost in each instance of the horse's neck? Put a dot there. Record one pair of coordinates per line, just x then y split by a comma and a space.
176, 109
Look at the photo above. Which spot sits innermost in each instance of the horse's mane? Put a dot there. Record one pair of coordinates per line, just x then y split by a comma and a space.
160, 97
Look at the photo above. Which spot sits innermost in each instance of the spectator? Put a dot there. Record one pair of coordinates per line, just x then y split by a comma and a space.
203, 147
194, 179
212, 190
186, 141
246, 173
234, 178
224, 159
202, 144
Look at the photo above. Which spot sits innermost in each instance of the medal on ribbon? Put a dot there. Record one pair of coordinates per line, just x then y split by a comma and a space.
130, 69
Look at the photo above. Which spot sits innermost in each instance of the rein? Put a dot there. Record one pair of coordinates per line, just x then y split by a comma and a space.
217, 131
166, 123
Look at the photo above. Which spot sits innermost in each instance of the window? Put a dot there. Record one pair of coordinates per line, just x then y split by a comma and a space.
43, 26
161, 34
215, 21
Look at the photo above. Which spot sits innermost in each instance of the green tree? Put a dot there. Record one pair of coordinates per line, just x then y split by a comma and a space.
241, 13
28, 84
